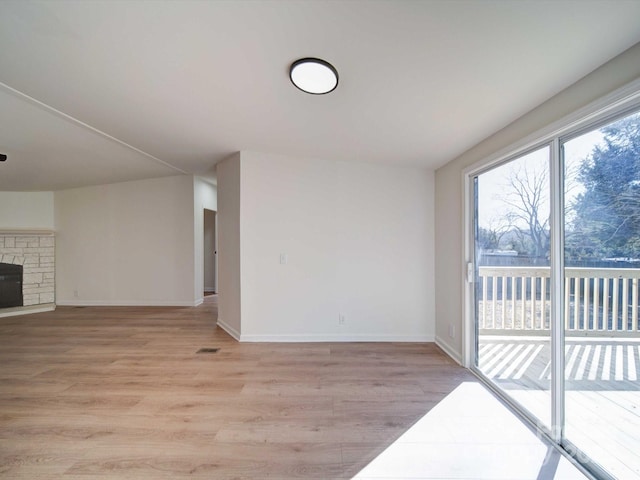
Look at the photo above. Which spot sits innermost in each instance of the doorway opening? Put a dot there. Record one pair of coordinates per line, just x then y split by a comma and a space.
210, 253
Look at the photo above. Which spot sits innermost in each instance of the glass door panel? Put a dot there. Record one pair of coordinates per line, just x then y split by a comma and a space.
512, 306
602, 268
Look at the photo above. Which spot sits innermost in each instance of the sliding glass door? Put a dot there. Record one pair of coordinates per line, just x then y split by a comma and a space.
555, 288
512, 288
602, 267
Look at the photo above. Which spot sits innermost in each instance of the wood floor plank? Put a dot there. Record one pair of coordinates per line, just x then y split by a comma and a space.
120, 392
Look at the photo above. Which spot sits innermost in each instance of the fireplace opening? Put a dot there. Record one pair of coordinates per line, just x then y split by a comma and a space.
10, 285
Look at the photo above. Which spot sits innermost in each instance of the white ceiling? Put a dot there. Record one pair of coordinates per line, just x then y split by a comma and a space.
176, 86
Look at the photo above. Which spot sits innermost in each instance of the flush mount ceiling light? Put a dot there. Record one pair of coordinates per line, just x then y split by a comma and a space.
314, 76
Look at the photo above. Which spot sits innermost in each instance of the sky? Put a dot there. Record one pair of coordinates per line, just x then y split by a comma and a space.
493, 185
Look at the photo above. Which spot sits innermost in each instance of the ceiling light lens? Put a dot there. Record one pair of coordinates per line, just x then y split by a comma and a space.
314, 76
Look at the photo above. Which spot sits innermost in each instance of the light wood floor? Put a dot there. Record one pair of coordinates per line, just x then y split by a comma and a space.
119, 392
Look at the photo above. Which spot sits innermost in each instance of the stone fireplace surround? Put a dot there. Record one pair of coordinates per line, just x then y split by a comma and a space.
35, 251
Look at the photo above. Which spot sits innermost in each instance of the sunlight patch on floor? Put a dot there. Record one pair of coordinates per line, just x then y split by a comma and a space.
470, 435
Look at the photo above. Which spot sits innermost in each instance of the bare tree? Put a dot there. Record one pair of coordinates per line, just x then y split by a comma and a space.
492, 234
527, 197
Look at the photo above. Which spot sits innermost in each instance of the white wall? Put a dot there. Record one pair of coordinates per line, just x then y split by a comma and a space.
229, 289
26, 211
449, 267
204, 196
128, 243
358, 240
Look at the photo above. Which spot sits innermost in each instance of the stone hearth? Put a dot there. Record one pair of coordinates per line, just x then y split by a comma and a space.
35, 251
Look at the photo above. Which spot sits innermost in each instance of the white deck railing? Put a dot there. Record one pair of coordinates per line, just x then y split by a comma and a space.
605, 300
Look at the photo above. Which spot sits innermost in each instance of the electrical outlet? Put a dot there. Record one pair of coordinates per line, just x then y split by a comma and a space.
452, 330
342, 319
283, 259
75, 293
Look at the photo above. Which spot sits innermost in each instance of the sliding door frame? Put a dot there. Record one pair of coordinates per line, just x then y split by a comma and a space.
556, 169
615, 105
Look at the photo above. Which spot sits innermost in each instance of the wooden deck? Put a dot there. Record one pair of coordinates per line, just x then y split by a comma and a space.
590, 364
602, 391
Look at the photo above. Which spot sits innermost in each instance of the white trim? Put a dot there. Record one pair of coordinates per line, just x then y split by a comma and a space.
29, 232
449, 350
128, 303
468, 292
304, 338
617, 101
229, 329
10, 312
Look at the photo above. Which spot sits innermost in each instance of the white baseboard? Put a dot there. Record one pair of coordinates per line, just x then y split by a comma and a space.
229, 329
128, 303
449, 350
304, 338
209, 290
10, 312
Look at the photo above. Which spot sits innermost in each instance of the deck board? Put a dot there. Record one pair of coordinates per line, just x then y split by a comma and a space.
602, 391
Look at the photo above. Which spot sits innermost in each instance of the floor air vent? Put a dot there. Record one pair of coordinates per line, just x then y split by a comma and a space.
208, 350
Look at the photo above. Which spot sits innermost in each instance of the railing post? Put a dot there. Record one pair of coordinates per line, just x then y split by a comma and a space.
596, 302
576, 303
585, 309
567, 303
494, 299
533, 302
614, 300
504, 302
523, 300
634, 305
484, 301
543, 302
625, 305
605, 305
514, 291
